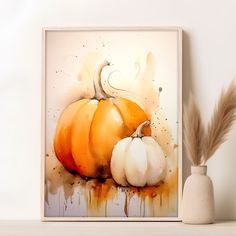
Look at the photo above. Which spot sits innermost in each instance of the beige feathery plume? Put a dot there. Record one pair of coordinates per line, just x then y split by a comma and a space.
221, 121
193, 132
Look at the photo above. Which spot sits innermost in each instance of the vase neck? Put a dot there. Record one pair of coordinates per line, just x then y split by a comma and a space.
200, 170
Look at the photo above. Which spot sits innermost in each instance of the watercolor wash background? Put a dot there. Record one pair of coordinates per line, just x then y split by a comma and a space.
127, 51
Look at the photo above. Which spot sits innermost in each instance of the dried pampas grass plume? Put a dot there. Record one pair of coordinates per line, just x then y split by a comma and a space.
193, 132
201, 145
221, 121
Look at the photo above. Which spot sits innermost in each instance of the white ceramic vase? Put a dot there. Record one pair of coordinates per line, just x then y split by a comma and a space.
198, 198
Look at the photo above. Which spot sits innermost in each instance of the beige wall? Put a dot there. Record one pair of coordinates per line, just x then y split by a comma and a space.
209, 59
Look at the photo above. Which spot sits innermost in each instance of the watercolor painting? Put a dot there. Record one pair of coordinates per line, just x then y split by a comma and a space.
112, 124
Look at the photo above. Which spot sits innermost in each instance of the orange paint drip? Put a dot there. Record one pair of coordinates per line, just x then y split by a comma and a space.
98, 194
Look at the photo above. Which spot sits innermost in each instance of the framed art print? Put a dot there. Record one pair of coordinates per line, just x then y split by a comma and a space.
112, 124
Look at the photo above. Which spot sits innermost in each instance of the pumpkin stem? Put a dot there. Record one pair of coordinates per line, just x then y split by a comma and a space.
138, 131
99, 91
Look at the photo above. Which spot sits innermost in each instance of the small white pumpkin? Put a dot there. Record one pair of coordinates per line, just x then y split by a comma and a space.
138, 160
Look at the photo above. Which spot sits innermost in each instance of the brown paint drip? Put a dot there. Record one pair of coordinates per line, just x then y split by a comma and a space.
126, 205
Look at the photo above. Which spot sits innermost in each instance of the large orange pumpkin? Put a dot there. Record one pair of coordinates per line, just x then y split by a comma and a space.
88, 129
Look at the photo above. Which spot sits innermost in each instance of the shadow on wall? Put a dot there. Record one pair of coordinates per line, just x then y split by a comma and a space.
187, 87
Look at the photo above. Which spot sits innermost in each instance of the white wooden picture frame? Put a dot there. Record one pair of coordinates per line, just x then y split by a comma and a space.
77, 185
